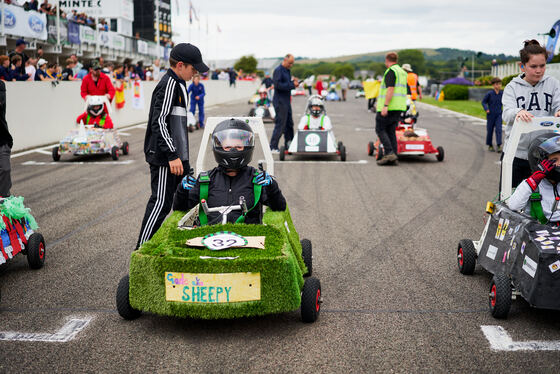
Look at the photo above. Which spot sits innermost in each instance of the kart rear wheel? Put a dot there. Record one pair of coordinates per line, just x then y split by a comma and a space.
466, 257
115, 152
311, 300
339, 144
342, 153
124, 308
440, 153
36, 251
191, 128
56, 153
251, 113
282, 154
307, 255
379, 154
370, 148
499, 299
125, 148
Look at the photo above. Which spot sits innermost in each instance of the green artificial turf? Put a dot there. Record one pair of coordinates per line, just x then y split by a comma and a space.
473, 108
280, 266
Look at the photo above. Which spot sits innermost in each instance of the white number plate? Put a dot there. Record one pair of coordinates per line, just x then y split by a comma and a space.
415, 147
223, 240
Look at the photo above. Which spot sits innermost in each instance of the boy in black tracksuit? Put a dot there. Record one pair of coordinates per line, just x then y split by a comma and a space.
232, 144
166, 142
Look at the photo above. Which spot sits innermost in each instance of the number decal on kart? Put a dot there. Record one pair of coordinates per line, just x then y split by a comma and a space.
223, 240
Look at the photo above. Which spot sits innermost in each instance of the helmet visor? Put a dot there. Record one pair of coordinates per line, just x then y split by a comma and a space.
233, 140
551, 146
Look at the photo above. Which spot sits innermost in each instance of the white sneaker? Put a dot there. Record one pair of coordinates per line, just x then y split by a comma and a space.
274, 151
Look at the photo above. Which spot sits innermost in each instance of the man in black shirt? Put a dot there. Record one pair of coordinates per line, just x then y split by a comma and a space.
20, 48
6, 143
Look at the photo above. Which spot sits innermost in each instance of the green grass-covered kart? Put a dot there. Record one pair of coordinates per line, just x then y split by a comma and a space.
262, 274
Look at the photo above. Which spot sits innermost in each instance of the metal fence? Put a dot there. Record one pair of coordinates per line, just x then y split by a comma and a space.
512, 68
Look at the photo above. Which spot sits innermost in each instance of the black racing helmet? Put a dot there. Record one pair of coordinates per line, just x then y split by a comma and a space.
540, 148
233, 143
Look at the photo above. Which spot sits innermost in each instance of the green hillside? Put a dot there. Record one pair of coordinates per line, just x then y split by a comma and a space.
430, 54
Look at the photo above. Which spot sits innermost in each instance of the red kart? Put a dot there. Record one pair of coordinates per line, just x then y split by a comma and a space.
411, 141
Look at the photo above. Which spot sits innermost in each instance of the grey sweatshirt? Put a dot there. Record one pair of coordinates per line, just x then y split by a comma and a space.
540, 100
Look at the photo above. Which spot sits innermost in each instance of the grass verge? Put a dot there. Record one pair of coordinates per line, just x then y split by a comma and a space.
473, 108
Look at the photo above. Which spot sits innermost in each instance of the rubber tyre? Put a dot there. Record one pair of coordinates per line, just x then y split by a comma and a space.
191, 128
115, 153
56, 153
466, 257
282, 155
310, 300
440, 154
499, 300
342, 153
379, 154
124, 308
36, 251
307, 255
370, 149
125, 148
338, 145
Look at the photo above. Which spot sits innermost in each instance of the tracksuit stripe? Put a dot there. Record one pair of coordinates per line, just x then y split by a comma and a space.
162, 180
165, 110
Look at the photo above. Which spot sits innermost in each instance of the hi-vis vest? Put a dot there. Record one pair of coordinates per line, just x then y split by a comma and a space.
412, 81
398, 102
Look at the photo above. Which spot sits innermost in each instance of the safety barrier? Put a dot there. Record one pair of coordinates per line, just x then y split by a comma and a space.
40, 114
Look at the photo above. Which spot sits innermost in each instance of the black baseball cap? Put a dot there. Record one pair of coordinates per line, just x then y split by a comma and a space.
20, 42
189, 54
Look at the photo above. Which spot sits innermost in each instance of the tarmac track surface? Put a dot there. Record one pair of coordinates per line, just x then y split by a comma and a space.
384, 243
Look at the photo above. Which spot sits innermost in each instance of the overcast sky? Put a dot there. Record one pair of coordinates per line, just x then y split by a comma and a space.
333, 28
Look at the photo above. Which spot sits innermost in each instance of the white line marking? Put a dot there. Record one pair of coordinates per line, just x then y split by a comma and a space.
361, 162
500, 340
368, 129
33, 150
124, 133
66, 333
140, 126
42, 151
38, 163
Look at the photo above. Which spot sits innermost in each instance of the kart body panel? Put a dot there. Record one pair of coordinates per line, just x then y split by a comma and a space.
90, 140
316, 142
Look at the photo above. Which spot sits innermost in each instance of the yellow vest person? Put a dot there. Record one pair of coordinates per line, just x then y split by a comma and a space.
398, 100
390, 104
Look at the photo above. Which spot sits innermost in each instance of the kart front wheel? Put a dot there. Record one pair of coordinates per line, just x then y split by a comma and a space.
125, 148
115, 153
36, 251
251, 113
311, 300
307, 255
370, 148
499, 299
338, 145
440, 153
56, 153
466, 257
342, 153
282, 154
124, 308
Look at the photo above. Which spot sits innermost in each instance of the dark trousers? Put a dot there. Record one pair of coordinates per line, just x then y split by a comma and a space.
494, 124
385, 129
164, 185
5, 170
371, 103
283, 124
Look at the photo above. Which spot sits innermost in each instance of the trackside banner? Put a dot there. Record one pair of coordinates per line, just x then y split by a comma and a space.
27, 24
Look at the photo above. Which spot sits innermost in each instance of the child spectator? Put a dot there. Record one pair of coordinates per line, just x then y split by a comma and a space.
492, 104
5, 73
41, 74
15, 70
196, 89
53, 71
68, 72
30, 69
